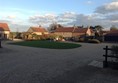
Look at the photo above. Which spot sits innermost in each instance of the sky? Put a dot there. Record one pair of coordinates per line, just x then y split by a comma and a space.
21, 14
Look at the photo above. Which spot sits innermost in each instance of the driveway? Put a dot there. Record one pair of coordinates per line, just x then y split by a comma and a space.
20, 64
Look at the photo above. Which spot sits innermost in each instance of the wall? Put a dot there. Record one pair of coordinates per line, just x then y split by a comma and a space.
64, 34
89, 32
5, 34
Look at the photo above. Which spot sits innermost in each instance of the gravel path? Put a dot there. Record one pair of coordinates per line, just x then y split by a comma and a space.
19, 64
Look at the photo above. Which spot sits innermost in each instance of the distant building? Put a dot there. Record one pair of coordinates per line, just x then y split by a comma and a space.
4, 31
38, 30
111, 36
104, 32
73, 31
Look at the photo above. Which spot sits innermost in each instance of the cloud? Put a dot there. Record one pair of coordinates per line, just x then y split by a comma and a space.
19, 27
71, 18
66, 17
105, 16
49, 18
108, 8
41, 19
11, 17
112, 17
5, 21
86, 20
89, 2
14, 26
94, 19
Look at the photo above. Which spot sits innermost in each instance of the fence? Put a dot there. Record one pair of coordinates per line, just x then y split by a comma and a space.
107, 63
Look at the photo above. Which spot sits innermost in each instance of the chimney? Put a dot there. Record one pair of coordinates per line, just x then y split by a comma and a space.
39, 25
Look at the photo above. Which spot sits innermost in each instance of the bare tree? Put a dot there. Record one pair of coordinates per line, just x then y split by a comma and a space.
52, 27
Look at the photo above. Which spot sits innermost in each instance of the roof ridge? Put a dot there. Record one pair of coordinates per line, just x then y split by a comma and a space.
74, 29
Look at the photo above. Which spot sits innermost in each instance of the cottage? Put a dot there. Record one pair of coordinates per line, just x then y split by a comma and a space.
65, 31
4, 31
83, 32
38, 30
73, 31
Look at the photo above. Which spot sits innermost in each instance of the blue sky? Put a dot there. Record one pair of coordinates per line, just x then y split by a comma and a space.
57, 6
25, 13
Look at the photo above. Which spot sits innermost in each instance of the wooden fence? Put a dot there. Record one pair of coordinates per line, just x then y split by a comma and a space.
107, 63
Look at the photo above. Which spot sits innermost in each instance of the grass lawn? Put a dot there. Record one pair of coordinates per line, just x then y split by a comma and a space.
47, 44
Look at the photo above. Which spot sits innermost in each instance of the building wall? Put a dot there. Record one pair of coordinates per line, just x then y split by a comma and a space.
64, 34
4, 34
45, 33
67, 34
89, 32
38, 33
70, 34
78, 34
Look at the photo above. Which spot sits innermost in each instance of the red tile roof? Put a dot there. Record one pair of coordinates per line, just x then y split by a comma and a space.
4, 27
105, 31
80, 30
38, 29
65, 29
112, 33
72, 29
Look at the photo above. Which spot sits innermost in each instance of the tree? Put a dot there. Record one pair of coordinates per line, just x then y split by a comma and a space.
13, 35
98, 27
92, 27
113, 27
35, 36
98, 30
18, 35
54, 26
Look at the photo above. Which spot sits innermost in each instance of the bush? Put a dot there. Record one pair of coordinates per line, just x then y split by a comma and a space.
76, 38
114, 49
53, 36
81, 39
101, 39
44, 37
93, 41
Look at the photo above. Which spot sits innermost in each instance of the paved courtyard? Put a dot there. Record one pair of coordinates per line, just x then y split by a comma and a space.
19, 64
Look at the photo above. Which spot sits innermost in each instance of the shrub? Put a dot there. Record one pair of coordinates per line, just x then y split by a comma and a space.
81, 39
101, 39
44, 37
114, 52
53, 36
93, 41
76, 38
114, 49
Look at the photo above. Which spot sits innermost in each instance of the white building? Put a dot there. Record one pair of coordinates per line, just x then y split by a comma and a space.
4, 31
